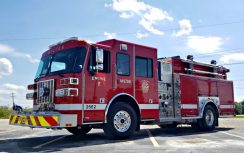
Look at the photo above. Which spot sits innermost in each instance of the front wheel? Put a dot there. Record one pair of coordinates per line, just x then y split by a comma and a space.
121, 121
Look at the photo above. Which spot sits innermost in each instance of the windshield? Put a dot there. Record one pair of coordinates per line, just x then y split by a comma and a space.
67, 61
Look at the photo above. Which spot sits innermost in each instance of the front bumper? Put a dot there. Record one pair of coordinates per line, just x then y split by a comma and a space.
44, 120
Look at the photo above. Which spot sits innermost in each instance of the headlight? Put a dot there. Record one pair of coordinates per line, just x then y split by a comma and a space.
30, 96
66, 92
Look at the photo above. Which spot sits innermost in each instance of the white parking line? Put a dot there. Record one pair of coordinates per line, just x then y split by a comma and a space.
153, 140
7, 131
49, 142
233, 135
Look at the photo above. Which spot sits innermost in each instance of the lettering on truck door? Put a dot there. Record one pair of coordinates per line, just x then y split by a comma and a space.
97, 87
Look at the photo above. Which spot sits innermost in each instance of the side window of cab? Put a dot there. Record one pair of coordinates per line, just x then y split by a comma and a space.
106, 61
123, 64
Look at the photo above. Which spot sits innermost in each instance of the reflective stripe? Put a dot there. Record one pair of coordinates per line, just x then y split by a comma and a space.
68, 106
20, 119
226, 106
10, 119
55, 118
13, 119
26, 121
33, 120
29, 120
98, 106
43, 122
37, 121
188, 106
16, 120
149, 106
50, 120
79, 106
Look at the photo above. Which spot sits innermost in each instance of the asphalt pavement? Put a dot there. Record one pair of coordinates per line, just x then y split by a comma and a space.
228, 137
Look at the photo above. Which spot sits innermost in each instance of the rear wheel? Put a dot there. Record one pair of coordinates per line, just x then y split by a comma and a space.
81, 131
121, 121
208, 121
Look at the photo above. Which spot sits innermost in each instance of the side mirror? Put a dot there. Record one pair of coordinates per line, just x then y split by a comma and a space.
96, 61
99, 56
99, 67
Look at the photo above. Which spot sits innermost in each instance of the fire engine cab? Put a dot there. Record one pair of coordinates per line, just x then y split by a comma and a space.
118, 85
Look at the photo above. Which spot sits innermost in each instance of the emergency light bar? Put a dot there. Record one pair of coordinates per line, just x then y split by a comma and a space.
58, 43
69, 39
65, 40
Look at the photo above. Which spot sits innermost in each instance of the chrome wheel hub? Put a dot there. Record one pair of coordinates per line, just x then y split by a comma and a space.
209, 118
122, 121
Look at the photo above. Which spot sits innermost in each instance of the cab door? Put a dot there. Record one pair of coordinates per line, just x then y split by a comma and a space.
98, 82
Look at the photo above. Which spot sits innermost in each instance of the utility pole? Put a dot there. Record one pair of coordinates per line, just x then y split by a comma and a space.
12, 96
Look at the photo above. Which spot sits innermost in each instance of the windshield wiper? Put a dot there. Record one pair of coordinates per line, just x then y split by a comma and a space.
41, 75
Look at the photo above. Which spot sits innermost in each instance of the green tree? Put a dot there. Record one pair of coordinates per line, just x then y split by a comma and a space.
5, 112
238, 108
242, 107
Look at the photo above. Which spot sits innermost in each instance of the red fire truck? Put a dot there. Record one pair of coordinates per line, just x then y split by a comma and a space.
118, 85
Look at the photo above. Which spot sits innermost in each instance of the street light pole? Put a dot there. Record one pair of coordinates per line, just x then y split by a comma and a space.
12, 96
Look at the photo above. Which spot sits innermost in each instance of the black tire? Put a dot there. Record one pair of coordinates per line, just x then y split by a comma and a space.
197, 126
168, 126
79, 131
209, 120
119, 116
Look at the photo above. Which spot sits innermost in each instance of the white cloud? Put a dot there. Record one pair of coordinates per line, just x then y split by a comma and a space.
19, 92
107, 5
31, 59
5, 49
8, 50
109, 35
239, 98
150, 16
12, 87
229, 58
149, 27
204, 44
126, 15
140, 35
154, 15
6, 67
185, 28
131, 6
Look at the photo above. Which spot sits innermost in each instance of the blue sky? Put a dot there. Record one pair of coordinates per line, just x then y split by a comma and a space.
207, 29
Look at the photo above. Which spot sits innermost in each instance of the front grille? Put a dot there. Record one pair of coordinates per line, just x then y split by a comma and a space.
45, 95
